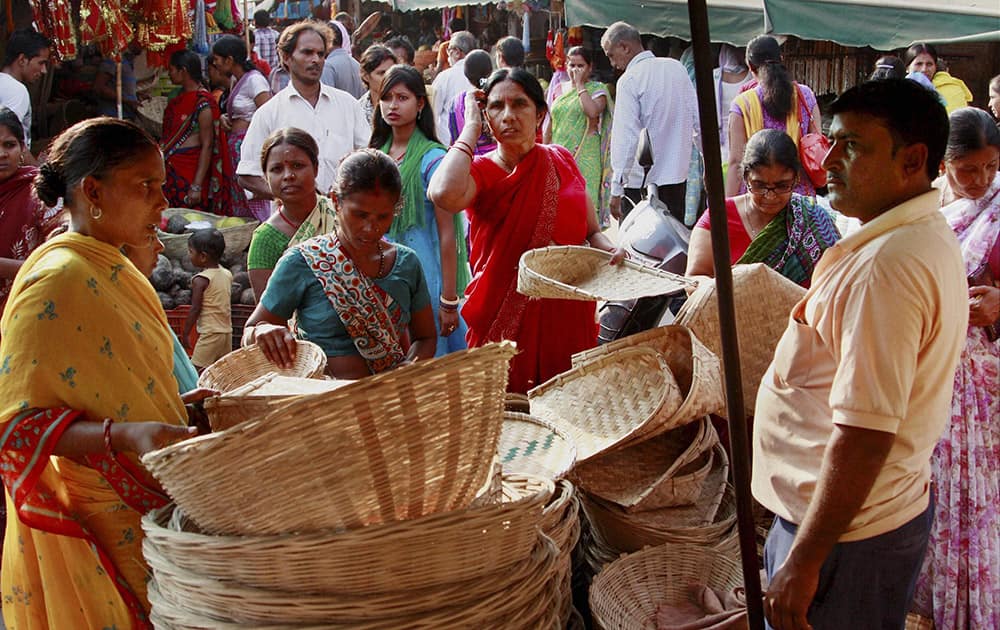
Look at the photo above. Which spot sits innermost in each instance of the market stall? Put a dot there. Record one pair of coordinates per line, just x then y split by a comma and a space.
732, 21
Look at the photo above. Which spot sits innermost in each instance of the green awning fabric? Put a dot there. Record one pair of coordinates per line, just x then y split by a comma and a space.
885, 25
734, 21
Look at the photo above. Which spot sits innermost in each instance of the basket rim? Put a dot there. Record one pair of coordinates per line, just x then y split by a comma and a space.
524, 418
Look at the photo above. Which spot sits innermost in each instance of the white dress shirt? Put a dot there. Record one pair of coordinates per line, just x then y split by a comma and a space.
446, 87
14, 96
654, 93
336, 123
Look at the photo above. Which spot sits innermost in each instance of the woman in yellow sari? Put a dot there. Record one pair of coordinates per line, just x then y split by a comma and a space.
86, 387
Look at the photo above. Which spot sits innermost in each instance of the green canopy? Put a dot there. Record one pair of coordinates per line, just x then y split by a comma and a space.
731, 21
885, 25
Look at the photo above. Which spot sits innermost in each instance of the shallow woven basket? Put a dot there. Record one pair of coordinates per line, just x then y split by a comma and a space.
435, 550
534, 446
238, 237
664, 471
626, 594
151, 114
707, 522
604, 402
235, 406
764, 300
242, 366
695, 368
571, 272
417, 440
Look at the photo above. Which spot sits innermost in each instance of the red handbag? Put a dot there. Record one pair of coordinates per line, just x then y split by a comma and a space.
813, 147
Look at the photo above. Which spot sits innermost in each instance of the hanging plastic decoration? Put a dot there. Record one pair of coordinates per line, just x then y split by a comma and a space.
54, 18
199, 35
224, 15
105, 24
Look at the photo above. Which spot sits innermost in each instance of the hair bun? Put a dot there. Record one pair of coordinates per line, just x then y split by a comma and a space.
50, 185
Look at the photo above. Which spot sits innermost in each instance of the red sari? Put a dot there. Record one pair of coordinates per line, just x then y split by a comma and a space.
542, 202
219, 195
24, 220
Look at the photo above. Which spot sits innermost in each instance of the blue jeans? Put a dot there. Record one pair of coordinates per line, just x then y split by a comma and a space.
864, 584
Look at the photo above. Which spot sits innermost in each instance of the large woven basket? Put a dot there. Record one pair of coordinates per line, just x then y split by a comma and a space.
627, 593
245, 365
534, 446
707, 522
432, 551
238, 237
764, 300
417, 440
570, 272
604, 402
695, 368
188, 601
151, 115
667, 470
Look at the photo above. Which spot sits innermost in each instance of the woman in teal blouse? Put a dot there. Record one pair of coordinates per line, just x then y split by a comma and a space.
360, 298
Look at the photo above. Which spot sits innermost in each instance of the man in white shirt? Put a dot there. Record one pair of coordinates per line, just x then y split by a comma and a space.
26, 58
452, 81
331, 116
654, 94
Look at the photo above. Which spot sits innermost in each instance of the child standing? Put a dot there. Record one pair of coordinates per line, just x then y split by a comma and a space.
210, 307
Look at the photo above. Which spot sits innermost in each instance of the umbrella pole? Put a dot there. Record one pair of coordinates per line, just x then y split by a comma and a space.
738, 438
118, 89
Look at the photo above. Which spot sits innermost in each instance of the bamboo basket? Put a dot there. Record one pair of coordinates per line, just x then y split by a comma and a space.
257, 398
695, 368
665, 471
404, 555
243, 366
238, 237
533, 446
571, 272
626, 594
398, 445
708, 522
604, 402
764, 300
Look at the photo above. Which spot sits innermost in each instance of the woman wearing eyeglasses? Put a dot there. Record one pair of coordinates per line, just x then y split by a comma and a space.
769, 223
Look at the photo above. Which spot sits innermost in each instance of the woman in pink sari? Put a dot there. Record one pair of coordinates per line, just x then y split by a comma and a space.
960, 582
520, 196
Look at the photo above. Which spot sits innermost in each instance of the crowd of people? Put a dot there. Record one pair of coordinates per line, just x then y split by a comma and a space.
393, 215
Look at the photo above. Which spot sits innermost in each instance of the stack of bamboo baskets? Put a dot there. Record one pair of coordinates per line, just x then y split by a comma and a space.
370, 506
650, 469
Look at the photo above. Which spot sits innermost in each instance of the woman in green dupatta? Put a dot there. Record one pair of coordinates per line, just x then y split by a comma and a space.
404, 129
769, 223
290, 159
581, 122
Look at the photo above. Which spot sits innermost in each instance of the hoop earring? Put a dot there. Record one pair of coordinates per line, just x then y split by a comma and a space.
96, 213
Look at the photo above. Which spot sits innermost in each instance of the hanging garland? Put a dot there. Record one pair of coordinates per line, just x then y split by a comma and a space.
55, 18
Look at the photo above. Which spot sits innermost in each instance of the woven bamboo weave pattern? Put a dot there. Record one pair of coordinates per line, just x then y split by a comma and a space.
241, 367
534, 446
570, 272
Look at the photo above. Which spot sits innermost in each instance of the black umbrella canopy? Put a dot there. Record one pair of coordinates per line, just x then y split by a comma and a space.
738, 435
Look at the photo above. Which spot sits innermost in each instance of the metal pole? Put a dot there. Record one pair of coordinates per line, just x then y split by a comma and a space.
118, 89
738, 438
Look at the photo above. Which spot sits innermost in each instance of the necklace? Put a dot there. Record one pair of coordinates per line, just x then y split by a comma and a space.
285, 218
506, 164
398, 158
381, 259
748, 214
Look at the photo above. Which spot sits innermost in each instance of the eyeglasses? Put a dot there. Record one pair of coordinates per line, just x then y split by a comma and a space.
781, 188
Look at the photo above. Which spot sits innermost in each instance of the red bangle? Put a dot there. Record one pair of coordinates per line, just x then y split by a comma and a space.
462, 150
107, 436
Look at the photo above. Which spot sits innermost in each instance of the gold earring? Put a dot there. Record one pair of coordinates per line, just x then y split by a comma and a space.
96, 213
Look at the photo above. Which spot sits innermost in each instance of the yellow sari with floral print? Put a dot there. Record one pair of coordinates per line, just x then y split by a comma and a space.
83, 338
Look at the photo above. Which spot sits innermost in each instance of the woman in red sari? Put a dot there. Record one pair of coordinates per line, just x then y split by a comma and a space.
520, 196
24, 220
199, 168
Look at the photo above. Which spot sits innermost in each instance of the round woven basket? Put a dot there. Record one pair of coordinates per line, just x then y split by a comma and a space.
534, 446
707, 522
238, 237
764, 300
256, 399
151, 114
571, 272
604, 402
695, 368
242, 366
664, 471
431, 551
627, 593
417, 440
